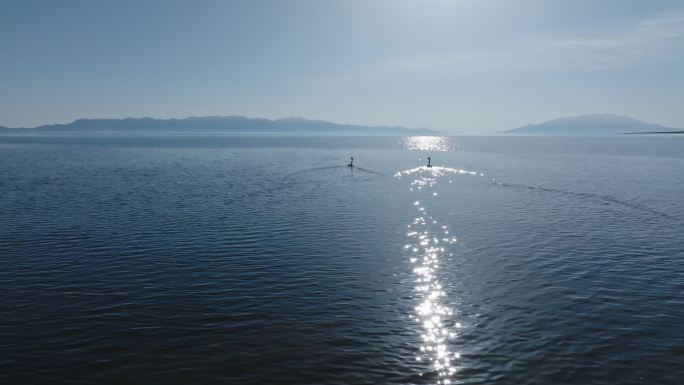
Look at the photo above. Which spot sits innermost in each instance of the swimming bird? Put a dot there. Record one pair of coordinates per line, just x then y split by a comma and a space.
429, 165
351, 162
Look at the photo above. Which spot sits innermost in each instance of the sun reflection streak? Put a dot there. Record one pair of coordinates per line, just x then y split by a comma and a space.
427, 245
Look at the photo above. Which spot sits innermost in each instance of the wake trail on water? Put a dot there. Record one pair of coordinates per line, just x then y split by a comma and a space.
367, 170
436, 171
586, 195
287, 181
315, 169
355, 168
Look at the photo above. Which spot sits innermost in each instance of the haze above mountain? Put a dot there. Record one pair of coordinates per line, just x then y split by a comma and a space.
213, 124
592, 124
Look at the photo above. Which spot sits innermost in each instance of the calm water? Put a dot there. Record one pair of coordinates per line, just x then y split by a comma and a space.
219, 260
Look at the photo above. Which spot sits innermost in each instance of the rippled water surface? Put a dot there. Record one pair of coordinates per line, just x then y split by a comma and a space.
257, 260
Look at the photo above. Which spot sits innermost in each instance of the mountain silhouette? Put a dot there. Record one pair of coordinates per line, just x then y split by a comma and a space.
592, 124
214, 124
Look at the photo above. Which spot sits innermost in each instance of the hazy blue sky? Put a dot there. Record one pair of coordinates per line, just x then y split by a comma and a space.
453, 65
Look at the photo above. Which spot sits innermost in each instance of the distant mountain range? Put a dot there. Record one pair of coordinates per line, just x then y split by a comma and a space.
212, 124
593, 124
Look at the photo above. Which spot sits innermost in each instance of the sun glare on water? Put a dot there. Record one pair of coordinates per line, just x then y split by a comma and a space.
429, 243
429, 143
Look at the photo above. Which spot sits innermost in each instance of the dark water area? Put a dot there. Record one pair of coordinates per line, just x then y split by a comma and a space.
264, 260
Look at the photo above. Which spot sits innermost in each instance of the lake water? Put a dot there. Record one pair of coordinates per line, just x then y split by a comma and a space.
263, 260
